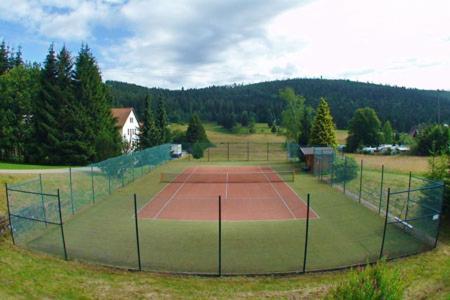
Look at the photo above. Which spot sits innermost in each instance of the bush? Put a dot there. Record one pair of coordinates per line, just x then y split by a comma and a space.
345, 171
373, 282
197, 150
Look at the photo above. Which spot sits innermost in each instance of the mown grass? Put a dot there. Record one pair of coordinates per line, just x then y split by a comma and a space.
395, 163
19, 166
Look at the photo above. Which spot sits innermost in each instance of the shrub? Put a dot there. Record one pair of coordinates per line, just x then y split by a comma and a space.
372, 282
345, 171
197, 150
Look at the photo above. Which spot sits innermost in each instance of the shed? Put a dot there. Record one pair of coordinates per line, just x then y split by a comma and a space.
309, 154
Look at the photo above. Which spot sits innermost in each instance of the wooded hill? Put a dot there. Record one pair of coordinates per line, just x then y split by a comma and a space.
403, 107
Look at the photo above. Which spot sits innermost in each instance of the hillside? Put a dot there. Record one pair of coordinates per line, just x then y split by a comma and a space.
404, 107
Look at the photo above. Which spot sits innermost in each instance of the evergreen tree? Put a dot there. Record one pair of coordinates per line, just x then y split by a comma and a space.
322, 131
45, 114
101, 132
364, 129
149, 135
18, 60
4, 58
387, 133
161, 121
244, 119
306, 124
195, 132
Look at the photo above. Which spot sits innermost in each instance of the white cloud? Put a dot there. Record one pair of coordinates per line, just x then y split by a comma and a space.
198, 43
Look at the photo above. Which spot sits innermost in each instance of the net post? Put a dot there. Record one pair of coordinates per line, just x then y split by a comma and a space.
71, 191
136, 224
306, 233
92, 184
9, 215
345, 172
385, 222
360, 181
61, 224
409, 196
219, 273
41, 189
381, 188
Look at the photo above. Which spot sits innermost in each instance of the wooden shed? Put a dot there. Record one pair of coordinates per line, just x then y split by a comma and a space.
309, 152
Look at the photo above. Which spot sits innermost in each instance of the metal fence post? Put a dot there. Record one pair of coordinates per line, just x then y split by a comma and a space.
332, 171
71, 191
208, 154
306, 233
123, 179
440, 219
62, 226
41, 188
267, 152
228, 152
360, 181
9, 215
132, 172
408, 197
385, 222
220, 238
248, 151
345, 172
381, 189
92, 184
138, 248
109, 184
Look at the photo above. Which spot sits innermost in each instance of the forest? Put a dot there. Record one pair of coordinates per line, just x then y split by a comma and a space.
404, 108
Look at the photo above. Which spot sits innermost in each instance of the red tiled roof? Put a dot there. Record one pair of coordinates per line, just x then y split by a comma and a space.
121, 115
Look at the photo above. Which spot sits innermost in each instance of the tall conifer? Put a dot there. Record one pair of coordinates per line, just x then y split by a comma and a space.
322, 132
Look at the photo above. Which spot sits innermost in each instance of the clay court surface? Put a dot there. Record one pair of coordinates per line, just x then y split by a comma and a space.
248, 193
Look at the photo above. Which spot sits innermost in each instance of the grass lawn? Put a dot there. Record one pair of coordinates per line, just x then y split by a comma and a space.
341, 136
17, 166
395, 163
32, 275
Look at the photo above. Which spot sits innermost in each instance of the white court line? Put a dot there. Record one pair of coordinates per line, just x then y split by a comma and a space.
279, 196
173, 195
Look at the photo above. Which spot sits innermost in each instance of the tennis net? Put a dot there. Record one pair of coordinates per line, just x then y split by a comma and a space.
250, 177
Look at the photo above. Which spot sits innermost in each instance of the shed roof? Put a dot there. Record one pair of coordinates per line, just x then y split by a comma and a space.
312, 150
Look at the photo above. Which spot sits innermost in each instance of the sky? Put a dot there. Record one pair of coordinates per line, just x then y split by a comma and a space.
192, 43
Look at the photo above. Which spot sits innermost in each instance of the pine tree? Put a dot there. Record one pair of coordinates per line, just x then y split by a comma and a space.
101, 132
387, 133
195, 132
322, 132
18, 60
45, 114
4, 58
161, 121
149, 135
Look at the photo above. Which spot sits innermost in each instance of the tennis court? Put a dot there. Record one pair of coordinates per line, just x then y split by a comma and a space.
247, 193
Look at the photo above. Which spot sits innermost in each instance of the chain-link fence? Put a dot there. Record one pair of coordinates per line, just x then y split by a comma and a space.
96, 214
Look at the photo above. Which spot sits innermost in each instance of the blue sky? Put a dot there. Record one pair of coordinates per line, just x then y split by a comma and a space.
200, 43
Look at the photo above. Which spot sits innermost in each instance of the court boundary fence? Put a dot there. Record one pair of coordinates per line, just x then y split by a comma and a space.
49, 209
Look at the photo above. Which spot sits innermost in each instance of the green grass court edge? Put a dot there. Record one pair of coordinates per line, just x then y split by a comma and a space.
346, 233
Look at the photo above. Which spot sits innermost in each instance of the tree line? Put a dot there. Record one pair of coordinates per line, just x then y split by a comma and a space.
57, 113
405, 108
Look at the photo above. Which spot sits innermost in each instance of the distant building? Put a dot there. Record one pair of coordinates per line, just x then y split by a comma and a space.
128, 125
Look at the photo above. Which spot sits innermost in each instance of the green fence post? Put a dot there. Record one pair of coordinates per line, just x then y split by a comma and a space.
345, 172
92, 184
71, 191
267, 151
138, 248
41, 187
109, 184
332, 171
381, 189
385, 222
248, 151
228, 152
220, 238
360, 181
208, 154
123, 179
408, 197
306, 233
61, 226
9, 215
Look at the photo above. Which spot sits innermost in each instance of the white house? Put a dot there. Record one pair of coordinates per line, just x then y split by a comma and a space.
128, 125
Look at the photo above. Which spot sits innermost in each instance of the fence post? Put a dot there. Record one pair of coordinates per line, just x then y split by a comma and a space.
123, 179
381, 189
41, 188
228, 152
208, 153
62, 226
220, 238
332, 170
409, 195
132, 172
137, 233
71, 191
267, 152
345, 172
109, 184
385, 222
440, 219
306, 233
248, 151
92, 184
360, 181
9, 215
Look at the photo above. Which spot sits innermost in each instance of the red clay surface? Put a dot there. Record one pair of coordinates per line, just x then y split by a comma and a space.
240, 201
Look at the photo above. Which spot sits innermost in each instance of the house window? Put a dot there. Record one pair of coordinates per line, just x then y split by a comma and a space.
131, 120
